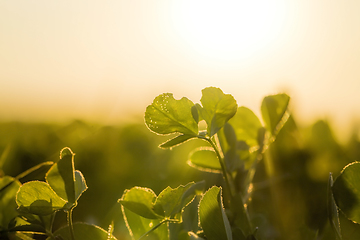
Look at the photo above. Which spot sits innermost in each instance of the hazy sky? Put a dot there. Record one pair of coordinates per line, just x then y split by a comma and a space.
100, 60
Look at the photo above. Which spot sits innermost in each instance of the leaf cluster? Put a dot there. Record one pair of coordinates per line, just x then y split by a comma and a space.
29, 209
236, 141
236, 145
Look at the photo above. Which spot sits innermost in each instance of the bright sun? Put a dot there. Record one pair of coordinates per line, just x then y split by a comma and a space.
229, 29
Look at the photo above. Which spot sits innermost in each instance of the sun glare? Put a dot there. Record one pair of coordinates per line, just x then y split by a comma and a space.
229, 29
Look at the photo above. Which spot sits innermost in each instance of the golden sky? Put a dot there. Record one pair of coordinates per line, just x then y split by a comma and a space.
100, 60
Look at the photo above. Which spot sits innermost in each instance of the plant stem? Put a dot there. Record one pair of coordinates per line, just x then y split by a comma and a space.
70, 222
33, 169
223, 167
48, 227
27, 172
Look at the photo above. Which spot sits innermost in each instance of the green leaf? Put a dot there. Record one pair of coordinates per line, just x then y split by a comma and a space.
143, 228
190, 215
167, 115
346, 191
149, 216
195, 113
246, 126
274, 110
61, 176
176, 141
217, 108
9, 187
213, 219
38, 198
205, 159
195, 189
333, 213
80, 184
237, 137
140, 201
82, 231
169, 201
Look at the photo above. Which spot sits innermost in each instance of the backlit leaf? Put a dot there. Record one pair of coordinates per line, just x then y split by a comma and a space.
205, 159
190, 215
237, 137
346, 191
195, 113
140, 201
139, 226
80, 184
213, 219
167, 115
61, 176
195, 189
38, 198
217, 108
246, 126
169, 200
274, 110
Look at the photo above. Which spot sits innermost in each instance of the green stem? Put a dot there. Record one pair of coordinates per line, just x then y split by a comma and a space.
223, 167
33, 169
27, 172
229, 182
48, 227
70, 222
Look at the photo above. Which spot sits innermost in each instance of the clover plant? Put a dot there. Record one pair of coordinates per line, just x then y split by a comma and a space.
38, 201
235, 141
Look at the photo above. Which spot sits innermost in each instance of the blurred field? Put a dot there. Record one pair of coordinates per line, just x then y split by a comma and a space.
288, 200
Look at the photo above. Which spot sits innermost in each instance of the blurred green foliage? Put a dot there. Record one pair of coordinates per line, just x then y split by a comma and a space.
289, 190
